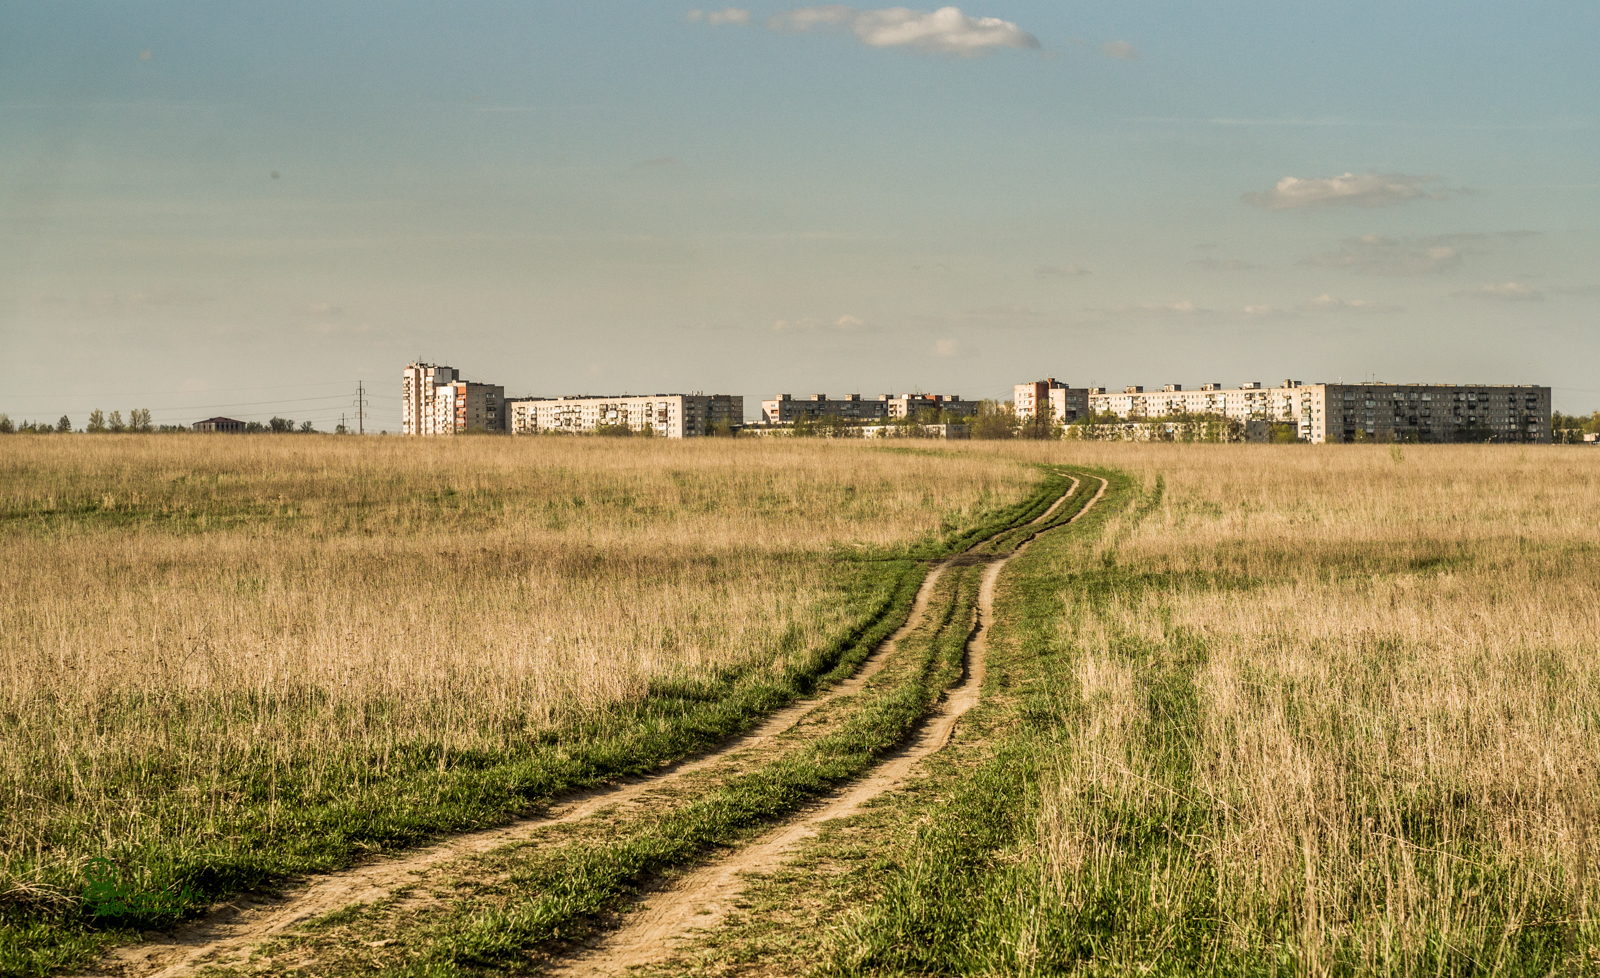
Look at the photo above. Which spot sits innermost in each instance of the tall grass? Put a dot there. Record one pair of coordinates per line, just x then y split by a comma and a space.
209, 641
1319, 710
1395, 687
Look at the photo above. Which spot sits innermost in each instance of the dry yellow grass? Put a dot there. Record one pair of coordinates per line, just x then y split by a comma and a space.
177, 609
1394, 659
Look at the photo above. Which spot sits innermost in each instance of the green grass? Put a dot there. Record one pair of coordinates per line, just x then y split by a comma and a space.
295, 824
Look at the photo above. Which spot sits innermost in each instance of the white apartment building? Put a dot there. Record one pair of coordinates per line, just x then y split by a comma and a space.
668, 415
1065, 404
1348, 412
784, 409
435, 400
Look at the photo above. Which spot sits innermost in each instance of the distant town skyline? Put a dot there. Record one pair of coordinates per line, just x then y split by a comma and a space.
218, 209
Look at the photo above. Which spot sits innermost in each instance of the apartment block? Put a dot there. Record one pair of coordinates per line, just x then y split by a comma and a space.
435, 400
668, 415
1350, 412
785, 409
1065, 404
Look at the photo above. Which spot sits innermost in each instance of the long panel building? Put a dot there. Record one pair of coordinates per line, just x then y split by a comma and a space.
1350, 412
668, 415
785, 409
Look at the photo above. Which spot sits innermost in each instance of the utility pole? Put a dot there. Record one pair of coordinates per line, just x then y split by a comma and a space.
361, 408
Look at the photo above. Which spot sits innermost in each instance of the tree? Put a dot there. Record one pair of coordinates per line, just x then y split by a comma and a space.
280, 425
114, 423
64, 425
307, 426
340, 429
1041, 426
6, 427
97, 421
994, 421
139, 420
253, 427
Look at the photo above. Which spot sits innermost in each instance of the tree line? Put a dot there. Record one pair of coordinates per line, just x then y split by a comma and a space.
140, 422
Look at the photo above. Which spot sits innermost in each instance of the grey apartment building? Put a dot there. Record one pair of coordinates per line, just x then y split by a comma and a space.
785, 409
667, 415
1347, 412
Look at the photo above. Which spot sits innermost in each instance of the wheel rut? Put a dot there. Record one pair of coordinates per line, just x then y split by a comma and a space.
229, 933
701, 899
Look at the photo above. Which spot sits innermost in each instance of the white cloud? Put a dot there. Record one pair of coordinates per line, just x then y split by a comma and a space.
1060, 271
948, 348
946, 30
1329, 303
848, 321
1119, 49
1263, 310
1504, 290
1380, 255
727, 15
1351, 190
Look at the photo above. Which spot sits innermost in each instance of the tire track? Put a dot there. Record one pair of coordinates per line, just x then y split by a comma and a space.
231, 930
701, 899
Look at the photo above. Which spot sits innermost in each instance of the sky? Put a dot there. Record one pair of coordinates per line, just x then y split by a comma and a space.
246, 209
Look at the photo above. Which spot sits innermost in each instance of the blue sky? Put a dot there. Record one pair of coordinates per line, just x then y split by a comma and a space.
212, 207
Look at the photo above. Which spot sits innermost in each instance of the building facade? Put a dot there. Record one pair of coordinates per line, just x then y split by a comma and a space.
1354, 412
785, 410
667, 415
219, 424
1065, 404
435, 400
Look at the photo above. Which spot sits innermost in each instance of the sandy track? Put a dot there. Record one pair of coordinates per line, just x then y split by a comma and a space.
702, 898
230, 931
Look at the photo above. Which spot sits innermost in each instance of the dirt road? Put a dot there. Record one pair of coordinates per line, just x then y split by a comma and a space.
229, 933
702, 898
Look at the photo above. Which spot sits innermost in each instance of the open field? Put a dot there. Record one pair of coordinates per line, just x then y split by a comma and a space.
227, 660
1290, 711
1264, 710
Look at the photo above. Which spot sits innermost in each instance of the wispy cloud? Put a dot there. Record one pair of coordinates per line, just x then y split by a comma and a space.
952, 348
1324, 303
1329, 303
1119, 49
1223, 264
845, 323
946, 30
1004, 310
1349, 190
1183, 307
1060, 271
1380, 255
727, 15
1514, 291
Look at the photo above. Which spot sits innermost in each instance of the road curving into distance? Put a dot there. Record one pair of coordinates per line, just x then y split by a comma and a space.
232, 931
701, 899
